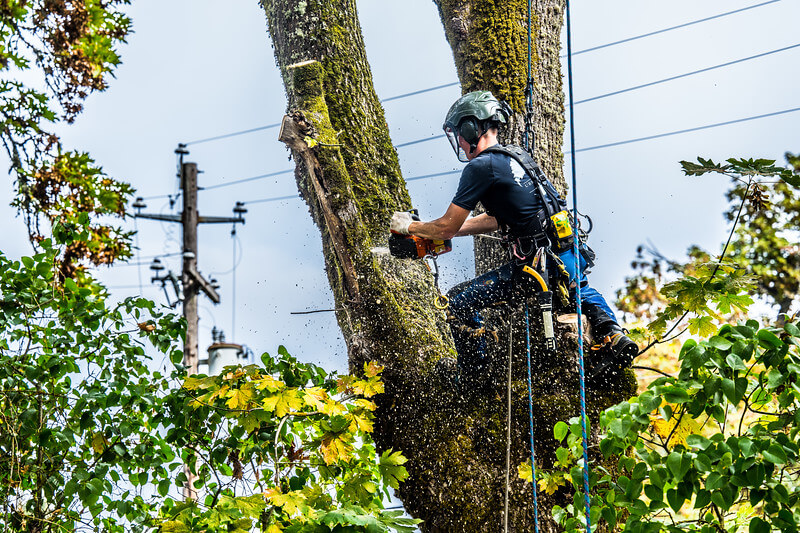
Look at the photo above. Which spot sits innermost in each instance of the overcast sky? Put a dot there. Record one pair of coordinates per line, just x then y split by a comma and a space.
196, 69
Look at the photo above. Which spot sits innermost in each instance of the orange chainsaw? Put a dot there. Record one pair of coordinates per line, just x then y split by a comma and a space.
413, 247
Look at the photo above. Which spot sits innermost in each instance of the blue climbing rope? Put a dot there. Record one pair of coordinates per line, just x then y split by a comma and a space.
530, 416
577, 254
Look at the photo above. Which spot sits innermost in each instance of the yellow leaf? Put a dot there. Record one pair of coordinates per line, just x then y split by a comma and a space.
336, 447
269, 383
372, 369
99, 442
274, 528
360, 422
663, 428
269, 402
240, 398
289, 400
289, 501
332, 408
365, 404
315, 397
550, 484
525, 472
373, 387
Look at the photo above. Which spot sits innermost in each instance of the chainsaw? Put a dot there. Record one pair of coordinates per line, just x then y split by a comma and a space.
413, 247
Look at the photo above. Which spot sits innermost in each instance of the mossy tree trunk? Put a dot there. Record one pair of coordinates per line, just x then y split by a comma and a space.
349, 176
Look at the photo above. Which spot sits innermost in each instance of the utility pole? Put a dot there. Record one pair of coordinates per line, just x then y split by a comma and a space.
192, 282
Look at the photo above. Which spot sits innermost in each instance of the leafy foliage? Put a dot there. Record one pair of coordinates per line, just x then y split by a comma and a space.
79, 402
762, 244
712, 449
284, 448
53, 54
95, 438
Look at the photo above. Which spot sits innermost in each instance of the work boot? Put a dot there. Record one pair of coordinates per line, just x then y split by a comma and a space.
613, 352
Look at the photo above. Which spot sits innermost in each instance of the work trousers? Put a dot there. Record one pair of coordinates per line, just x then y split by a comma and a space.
468, 299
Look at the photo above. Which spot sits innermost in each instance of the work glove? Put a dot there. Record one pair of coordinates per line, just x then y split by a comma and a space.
400, 222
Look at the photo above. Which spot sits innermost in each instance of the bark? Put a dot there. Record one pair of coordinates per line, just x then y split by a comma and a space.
349, 176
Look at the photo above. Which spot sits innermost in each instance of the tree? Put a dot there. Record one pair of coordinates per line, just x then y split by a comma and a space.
52, 56
348, 174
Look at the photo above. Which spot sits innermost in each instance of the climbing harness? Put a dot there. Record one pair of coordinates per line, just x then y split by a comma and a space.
577, 254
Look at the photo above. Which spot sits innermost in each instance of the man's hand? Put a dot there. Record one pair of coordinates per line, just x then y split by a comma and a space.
401, 220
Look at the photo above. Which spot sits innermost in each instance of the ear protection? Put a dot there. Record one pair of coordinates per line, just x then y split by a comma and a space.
470, 131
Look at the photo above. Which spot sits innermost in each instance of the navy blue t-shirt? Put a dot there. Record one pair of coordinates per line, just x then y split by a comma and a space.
500, 183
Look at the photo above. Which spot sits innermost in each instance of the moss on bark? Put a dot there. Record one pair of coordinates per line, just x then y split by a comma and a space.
348, 174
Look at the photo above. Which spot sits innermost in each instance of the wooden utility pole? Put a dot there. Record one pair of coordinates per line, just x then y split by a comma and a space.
189, 222
192, 282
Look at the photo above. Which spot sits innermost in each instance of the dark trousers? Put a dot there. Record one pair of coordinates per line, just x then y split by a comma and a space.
468, 299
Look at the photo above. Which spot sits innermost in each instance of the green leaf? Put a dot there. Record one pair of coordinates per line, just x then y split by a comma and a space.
674, 394
702, 326
775, 454
769, 338
560, 430
720, 343
757, 525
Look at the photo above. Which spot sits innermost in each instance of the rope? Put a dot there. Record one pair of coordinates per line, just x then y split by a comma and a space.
508, 427
530, 416
576, 253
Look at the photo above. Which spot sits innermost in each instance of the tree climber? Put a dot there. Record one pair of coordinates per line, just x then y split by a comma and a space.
520, 205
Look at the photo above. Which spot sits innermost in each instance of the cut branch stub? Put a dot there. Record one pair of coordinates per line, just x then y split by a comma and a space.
293, 133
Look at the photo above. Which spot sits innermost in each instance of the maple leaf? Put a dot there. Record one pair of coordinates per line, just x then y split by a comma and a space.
336, 447
550, 483
392, 469
525, 471
703, 326
269, 383
268, 403
289, 400
360, 422
289, 502
372, 369
315, 397
240, 398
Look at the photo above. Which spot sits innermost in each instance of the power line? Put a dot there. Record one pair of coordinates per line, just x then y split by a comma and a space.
688, 130
598, 147
414, 93
233, 134
685, 24
455, 83
245, 180
672, 78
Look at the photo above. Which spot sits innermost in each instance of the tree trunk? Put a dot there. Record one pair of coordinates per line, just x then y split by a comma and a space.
348, 174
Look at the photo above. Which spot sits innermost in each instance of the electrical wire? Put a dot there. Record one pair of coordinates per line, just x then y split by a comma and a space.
687, 74
455, 83
684, 25
678, 132
421, 91
598, 147
232, 134
245, 180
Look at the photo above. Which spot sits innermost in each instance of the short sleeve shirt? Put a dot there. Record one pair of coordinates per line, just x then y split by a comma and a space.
501, 184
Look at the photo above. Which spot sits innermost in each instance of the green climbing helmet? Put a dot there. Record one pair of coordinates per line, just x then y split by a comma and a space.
468, 118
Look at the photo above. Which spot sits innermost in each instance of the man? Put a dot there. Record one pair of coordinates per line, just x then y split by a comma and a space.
523, 207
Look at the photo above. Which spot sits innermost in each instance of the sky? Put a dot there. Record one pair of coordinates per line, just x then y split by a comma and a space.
197, 69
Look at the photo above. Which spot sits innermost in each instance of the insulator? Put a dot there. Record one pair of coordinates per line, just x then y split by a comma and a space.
156, 265
239, 208
139, 203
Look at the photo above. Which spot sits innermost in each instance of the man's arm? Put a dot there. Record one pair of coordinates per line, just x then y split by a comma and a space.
453, 223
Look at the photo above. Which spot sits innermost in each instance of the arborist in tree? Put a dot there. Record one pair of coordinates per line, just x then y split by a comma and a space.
522, 203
